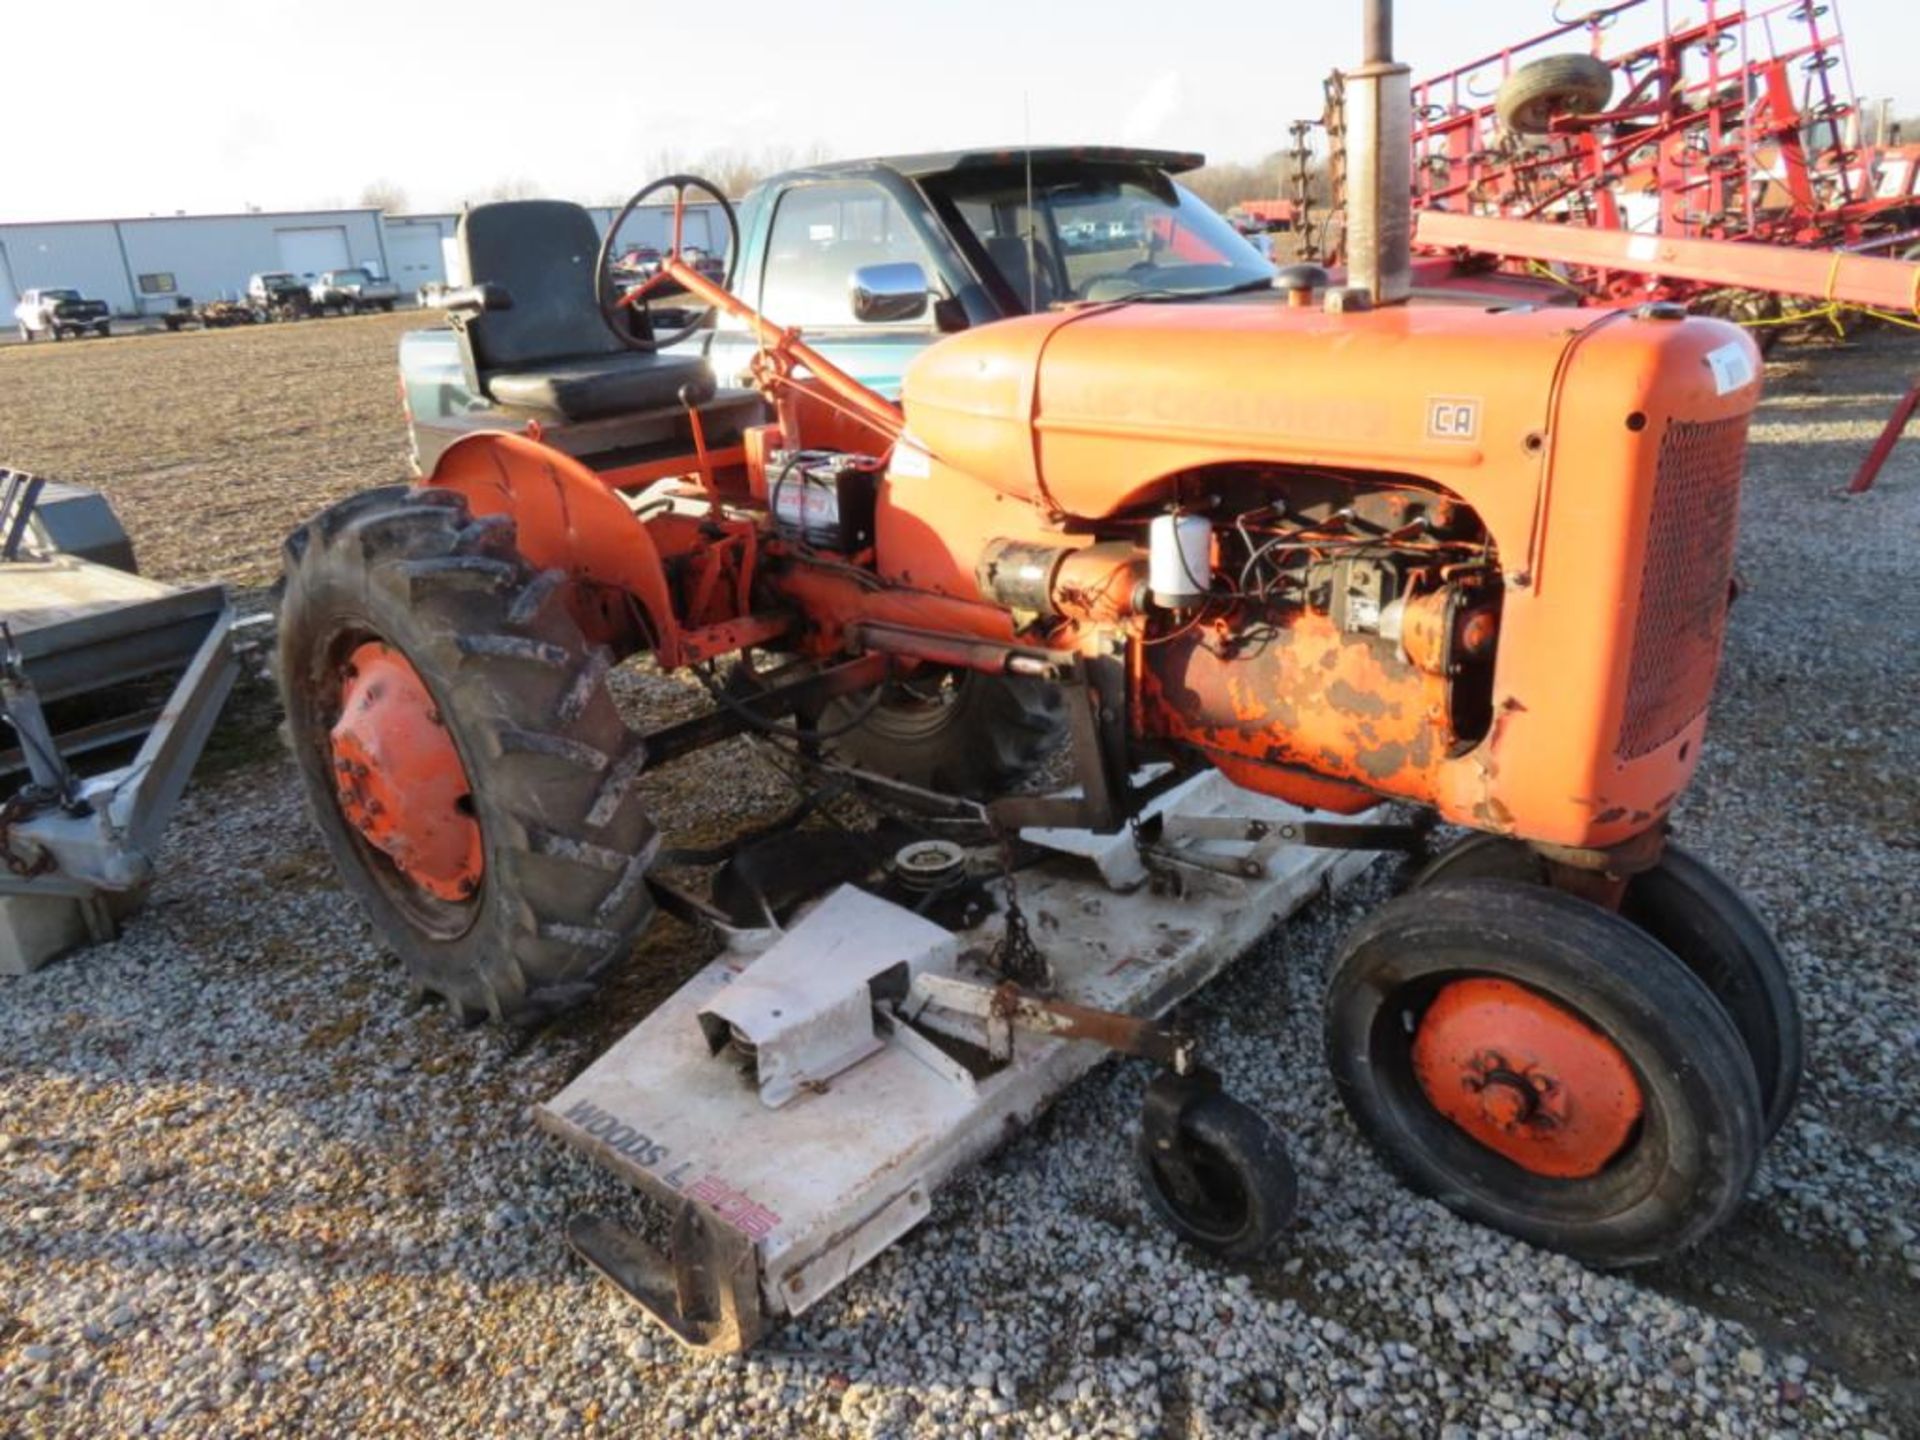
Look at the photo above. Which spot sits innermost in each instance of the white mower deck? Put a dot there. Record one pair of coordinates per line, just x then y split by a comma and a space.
795, 1106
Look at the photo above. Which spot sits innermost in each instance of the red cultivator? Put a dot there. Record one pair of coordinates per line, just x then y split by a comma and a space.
1686, 150
1738, 124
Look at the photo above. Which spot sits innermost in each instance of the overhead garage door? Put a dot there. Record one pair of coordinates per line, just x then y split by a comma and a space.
414, 253
310, 249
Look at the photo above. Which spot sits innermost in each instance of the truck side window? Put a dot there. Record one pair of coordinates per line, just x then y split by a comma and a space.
821, 234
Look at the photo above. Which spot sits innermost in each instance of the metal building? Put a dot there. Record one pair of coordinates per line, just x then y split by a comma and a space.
138, 265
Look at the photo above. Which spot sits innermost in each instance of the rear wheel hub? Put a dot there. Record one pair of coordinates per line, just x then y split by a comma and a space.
1526, 1077
399, 778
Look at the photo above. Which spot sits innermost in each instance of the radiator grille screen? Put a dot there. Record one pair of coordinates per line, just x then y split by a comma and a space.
1684, 580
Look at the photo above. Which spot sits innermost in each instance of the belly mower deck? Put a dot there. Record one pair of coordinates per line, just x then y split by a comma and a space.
796, 1104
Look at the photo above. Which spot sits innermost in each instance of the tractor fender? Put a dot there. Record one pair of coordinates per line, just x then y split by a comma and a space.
566, 519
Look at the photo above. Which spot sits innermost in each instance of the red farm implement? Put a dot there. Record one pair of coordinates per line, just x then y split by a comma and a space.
1697, 151
1690, 120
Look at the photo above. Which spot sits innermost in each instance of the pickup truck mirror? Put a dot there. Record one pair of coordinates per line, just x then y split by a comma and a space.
896, 290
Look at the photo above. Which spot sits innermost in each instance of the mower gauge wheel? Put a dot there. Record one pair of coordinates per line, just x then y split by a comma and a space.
617, 304
1220, 1177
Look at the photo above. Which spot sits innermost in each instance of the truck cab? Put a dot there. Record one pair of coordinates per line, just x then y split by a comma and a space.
352, 291
60, 311
994, 233
957, 239
278, 294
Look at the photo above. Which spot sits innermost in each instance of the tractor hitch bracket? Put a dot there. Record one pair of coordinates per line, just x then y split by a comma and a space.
1170, 1094
1095, 694
705, 1291
1008, 1007
1176, 842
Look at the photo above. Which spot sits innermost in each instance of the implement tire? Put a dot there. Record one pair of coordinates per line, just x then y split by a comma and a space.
555, 891
1533, 95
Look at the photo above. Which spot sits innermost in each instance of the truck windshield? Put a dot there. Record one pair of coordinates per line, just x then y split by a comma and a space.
350, 277
1099, 237
59, 294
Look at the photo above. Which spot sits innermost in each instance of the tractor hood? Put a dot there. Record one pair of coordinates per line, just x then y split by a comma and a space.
1090, 412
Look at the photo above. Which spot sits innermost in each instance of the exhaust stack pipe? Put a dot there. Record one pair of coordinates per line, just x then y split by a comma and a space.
1379, 104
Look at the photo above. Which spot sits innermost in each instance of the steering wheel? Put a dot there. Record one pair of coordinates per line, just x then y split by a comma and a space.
614, 302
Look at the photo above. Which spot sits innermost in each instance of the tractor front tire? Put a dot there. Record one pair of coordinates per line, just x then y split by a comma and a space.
965, 733
1530, 98
554, 889
1542, 1066
1705, 922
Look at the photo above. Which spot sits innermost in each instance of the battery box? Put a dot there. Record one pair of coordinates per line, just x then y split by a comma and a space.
823, 498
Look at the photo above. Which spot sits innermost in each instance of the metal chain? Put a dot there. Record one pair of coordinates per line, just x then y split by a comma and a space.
1014, 955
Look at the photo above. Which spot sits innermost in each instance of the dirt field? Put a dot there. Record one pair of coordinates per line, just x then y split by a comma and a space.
213, 444
245, 1190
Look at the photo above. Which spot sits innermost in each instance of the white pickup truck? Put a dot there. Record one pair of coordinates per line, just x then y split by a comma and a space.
60, 312
352, 291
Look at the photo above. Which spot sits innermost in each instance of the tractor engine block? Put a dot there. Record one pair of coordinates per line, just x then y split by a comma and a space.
1348, 641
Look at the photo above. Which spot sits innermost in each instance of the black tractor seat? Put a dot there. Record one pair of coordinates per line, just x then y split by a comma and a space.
594, 387
548, 352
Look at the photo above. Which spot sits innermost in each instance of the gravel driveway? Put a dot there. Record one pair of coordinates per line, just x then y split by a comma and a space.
246, 1189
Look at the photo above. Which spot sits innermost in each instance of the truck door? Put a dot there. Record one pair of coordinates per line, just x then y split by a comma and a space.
820, 233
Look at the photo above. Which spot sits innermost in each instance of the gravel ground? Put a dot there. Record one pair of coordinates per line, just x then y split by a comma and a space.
245, 1189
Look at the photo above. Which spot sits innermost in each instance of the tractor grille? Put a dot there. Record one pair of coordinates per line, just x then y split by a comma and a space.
1683, 581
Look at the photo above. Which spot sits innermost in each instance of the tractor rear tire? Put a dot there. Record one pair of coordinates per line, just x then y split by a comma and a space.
1686, 1123
1533, 95
565, 844
1702, 919
972, 734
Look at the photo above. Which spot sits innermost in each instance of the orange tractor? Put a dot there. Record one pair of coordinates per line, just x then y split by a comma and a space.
1343, 549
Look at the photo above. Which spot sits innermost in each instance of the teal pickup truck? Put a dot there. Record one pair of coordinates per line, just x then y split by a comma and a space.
986, 234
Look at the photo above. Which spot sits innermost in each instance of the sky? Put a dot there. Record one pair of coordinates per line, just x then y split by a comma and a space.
592, 100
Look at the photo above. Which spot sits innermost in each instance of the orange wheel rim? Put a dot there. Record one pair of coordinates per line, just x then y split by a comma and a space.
1526, 1077
398, 777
